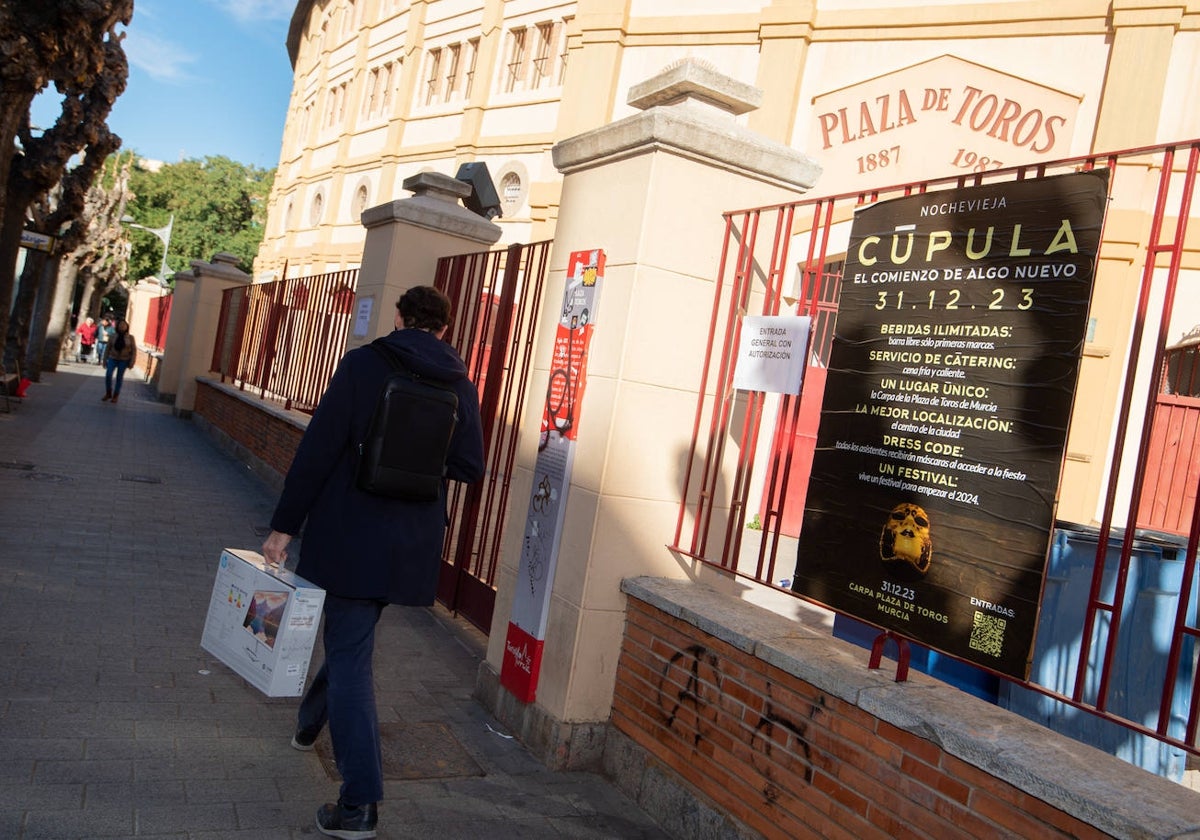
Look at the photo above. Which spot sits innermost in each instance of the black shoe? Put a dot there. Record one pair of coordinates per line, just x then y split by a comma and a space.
304, 739
349, 823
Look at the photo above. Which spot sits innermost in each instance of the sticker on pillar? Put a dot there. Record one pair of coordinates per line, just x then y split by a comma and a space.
561, 415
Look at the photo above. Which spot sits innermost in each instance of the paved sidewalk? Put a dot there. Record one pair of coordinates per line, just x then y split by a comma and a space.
115, 723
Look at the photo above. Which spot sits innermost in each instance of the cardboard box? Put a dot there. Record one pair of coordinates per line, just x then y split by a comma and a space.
262, 622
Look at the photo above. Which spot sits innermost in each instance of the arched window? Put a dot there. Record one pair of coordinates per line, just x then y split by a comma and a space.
361, 197
510, 193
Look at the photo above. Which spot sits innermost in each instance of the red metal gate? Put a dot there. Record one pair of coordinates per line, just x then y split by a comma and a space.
497, 296
766, 249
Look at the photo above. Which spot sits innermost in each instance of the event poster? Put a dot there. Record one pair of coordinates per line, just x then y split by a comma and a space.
951, 383
526, 634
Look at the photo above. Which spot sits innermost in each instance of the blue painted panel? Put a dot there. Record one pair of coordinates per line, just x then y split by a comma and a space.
1140, 659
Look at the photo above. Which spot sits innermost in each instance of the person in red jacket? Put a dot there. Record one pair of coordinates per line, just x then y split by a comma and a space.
367, 551
87, 339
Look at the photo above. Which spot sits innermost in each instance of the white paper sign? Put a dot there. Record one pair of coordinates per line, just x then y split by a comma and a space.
362, 317
771, 353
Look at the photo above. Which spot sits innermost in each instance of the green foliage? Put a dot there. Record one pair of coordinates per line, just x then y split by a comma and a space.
755, 524
218, 205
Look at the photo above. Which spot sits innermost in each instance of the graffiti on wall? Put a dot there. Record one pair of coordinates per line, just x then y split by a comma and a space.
691, 696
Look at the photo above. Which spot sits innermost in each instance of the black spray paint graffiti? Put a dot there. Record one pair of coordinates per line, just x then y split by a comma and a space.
687, 682
690, 693
762, 743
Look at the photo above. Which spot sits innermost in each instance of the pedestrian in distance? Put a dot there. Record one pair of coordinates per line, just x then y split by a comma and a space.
104, 334
121, 353
87, 339
366, 550
70, 346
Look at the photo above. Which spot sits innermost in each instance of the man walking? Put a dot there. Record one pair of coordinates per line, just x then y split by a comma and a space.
104, 334
367, 551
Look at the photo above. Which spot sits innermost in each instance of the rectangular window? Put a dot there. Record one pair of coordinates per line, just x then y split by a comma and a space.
542, 60
453, 53
516, 60
433, 76
562, 56
305, 124
330, 108
393, 83
342, 91
472, 57
369, 93
377, 96
387, 81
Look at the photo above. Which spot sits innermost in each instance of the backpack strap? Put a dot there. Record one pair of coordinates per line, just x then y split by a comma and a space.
398, 366
392, 357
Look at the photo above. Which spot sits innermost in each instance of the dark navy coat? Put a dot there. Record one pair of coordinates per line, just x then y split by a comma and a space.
357, 545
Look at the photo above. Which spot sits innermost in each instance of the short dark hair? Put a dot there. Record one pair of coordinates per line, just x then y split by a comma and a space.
424, 308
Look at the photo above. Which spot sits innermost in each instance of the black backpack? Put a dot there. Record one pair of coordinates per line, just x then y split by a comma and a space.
404, 453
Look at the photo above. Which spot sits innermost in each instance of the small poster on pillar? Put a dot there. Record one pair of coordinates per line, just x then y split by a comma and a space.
943, 429
561, 415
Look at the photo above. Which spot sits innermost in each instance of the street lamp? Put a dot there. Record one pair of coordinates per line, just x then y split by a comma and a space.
163, 233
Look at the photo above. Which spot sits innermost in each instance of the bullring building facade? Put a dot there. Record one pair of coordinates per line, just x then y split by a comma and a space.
878, 92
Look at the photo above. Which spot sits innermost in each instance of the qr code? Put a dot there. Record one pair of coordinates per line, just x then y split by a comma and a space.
987, 634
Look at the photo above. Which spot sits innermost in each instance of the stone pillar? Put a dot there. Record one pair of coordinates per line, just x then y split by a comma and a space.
649, 190
195, 316
405, 239
785, 34
1143, 35
137, 313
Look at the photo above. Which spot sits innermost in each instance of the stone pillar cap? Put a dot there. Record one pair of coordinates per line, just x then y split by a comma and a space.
434, 206
695, 79
223, 265
690, 109
436, 185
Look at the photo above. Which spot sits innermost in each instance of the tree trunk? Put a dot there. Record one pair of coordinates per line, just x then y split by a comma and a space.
10, 247
42, 306
59, 322
89, 302
13, 108
17, 337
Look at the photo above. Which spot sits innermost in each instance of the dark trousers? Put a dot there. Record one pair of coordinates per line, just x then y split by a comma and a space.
343, 694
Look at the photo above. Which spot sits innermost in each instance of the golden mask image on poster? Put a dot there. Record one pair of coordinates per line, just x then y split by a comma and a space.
905, 537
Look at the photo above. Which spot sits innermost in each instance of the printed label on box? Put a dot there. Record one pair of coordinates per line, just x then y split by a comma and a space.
262, 622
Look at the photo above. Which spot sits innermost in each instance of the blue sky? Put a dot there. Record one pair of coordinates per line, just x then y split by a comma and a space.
206, 77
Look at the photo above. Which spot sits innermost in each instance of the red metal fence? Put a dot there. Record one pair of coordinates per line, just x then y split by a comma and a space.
497, 296
787, 259
283, 340
157, 320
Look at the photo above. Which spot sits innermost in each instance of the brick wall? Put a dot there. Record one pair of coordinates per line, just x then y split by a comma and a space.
791, 735
269, 435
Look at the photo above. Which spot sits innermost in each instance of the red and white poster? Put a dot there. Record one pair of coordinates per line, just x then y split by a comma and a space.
552, 475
